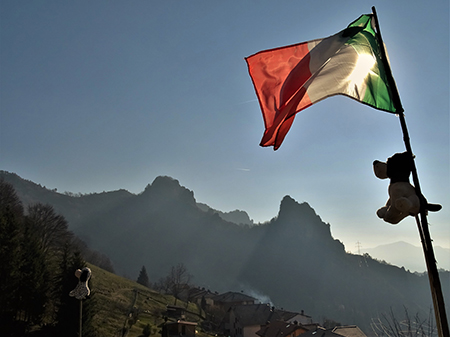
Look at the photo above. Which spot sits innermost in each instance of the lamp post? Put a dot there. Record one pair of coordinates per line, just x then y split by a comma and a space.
81, 291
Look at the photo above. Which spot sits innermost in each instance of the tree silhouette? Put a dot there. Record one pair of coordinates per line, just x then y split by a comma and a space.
37, 264
143, 278
147, 331
34, 284
11, 220
49, 227
388, 325
179, 280
175, 282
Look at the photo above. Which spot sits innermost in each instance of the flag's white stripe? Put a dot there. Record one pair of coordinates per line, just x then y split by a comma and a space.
332, 64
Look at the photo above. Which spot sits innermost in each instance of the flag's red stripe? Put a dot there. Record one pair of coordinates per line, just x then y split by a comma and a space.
278, 76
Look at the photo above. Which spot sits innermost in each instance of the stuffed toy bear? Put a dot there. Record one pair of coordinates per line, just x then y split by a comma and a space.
403, 200
82, 290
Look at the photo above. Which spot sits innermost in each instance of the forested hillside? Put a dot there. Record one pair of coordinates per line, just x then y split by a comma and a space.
38, 257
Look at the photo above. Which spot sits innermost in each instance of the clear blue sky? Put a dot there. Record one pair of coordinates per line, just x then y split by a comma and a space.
102, 95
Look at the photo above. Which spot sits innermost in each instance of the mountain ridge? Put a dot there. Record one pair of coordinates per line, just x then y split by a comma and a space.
293, 258
406, 255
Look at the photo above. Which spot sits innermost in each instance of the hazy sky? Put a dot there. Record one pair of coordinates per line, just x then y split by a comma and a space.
102, 95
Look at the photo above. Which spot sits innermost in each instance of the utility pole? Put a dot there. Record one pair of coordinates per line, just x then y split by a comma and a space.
358, 246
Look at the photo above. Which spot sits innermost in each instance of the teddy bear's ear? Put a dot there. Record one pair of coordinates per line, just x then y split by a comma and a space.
380, 169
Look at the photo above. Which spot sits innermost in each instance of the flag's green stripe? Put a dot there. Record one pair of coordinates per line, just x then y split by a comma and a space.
377, 93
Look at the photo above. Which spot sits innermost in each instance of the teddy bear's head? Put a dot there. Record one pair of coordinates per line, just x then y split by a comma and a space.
397, 168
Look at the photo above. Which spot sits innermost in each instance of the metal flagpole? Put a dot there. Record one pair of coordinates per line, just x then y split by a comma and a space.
81, 319
433, 275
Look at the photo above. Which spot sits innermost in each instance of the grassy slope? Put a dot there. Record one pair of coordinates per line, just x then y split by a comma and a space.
115, 296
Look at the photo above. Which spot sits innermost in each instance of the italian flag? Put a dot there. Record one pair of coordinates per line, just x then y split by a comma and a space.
292, 78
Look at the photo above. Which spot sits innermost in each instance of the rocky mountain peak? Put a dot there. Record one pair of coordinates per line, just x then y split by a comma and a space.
289, 209
167, 188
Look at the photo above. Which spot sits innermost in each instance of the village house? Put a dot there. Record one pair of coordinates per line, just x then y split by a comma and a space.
247, 320
205, 298
178, 328
320, 332
281, 329
339, 331
297, 318
229, 299
175, 324
201, 296
349, 331
175, 312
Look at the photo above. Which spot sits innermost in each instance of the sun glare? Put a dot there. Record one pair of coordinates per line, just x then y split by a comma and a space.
362, 68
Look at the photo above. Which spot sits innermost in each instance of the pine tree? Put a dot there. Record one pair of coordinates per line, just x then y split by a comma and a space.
143, 278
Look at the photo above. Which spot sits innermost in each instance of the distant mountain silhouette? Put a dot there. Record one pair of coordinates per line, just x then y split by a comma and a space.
409, 256
238, 217
292, 259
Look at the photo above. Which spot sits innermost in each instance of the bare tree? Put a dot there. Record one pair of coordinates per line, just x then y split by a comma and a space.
179, 280
51, 228
162, 285
176, 282
389, 326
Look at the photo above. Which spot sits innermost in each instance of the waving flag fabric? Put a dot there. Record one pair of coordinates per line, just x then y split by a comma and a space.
292, 78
